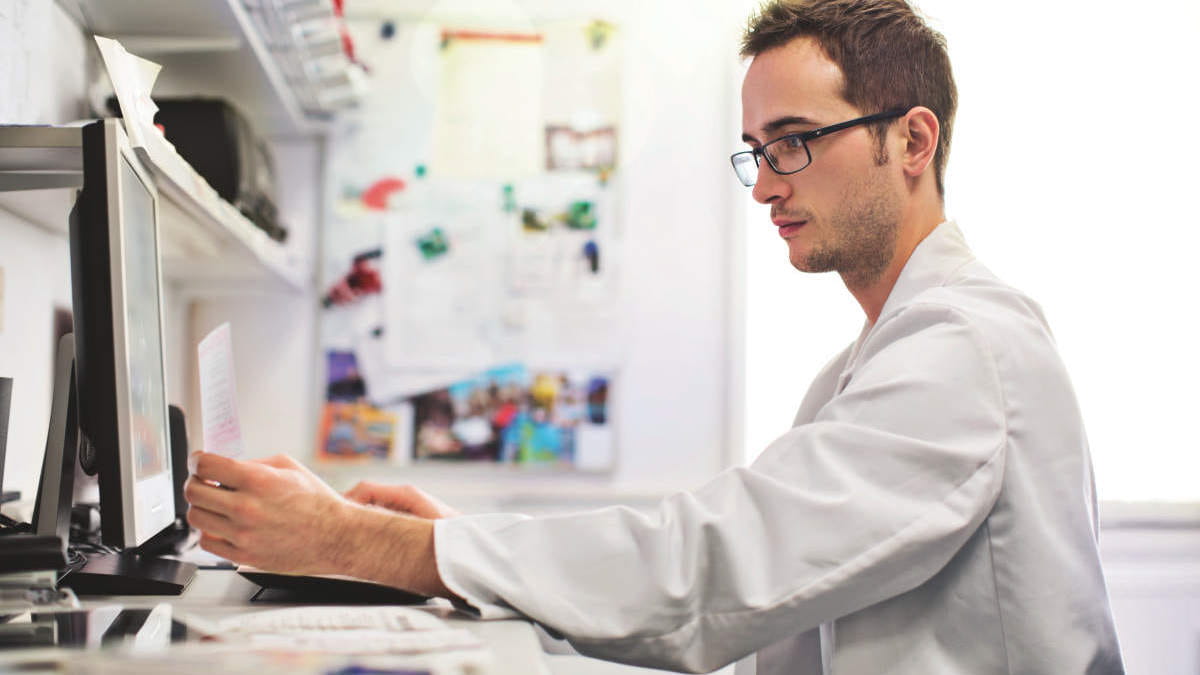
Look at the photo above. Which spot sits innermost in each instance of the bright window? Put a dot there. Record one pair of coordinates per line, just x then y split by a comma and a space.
1073, 175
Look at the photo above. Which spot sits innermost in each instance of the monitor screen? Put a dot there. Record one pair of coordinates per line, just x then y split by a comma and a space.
117, 292
143, 334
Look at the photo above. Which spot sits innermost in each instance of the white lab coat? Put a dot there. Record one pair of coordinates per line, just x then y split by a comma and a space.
933, 507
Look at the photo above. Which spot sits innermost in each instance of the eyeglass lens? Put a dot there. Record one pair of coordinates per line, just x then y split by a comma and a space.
746, 168
788, 154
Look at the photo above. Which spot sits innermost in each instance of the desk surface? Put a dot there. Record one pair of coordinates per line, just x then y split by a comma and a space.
213, 594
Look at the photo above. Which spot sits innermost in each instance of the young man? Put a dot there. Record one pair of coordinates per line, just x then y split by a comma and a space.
932, 509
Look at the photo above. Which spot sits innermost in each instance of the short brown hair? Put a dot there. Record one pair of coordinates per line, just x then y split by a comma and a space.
889, 57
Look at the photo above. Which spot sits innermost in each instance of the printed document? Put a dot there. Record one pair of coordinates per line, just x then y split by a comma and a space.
218, 396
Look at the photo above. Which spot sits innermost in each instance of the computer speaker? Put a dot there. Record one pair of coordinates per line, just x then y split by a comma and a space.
179, 457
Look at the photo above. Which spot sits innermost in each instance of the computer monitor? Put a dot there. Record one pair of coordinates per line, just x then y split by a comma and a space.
5, 400
116, 282
52, 507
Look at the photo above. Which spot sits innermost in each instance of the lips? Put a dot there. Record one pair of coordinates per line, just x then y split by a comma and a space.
789, 228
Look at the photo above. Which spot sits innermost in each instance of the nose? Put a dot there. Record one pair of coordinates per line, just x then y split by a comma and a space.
769, 186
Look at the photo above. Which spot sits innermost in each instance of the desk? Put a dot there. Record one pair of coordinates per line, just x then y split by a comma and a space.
214, 594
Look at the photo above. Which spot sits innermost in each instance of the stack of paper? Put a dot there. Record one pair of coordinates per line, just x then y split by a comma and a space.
22, 591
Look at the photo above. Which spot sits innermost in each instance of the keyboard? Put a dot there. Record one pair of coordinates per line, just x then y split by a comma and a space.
290, 619
362, 643
348, 630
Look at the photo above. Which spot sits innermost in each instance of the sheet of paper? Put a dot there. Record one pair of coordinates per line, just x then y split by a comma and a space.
132, 79
218, 395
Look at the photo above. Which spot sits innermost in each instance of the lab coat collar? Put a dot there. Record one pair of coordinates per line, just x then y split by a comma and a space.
936, 258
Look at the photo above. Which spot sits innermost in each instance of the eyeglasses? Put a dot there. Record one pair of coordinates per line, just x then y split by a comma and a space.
789, 154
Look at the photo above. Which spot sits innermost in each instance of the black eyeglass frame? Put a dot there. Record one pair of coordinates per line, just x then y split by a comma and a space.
804, 137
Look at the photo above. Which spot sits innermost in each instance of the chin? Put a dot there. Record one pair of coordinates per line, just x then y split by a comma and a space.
800, 258
800, 263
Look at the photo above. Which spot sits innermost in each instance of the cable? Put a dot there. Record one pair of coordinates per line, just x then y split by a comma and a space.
10, 526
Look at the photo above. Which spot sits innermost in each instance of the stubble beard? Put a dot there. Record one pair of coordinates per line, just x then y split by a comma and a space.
862, 234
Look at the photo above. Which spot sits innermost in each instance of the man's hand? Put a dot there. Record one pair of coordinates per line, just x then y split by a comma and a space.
401, 498
277, 515
271, 513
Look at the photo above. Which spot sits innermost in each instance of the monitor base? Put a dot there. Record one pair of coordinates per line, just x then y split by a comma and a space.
129, 574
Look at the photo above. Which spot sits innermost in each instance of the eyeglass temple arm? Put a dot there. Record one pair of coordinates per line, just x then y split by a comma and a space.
817, 133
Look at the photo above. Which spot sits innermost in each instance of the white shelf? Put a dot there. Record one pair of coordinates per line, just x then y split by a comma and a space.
208, 246
41, 168
235, 65
207, 242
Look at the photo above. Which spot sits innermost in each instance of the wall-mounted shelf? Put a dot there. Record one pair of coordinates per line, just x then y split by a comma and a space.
207, 244
207, 48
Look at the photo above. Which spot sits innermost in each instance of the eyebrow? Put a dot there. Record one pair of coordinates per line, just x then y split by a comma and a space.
779, 123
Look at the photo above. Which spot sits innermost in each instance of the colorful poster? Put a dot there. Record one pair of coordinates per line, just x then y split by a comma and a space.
513, 416
355, 431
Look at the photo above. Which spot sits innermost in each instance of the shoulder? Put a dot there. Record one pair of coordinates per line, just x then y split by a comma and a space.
928, 335
973, 323
975, 297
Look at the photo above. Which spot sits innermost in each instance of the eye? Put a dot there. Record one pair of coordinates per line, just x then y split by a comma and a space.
792, 142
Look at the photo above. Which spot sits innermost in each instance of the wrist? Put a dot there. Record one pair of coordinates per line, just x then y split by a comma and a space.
388, 548
345, 523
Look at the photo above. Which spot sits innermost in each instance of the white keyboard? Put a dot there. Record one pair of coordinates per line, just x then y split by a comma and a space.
348, 630
363, 642
326, 618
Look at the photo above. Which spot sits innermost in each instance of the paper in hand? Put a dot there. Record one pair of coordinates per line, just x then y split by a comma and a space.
218, 396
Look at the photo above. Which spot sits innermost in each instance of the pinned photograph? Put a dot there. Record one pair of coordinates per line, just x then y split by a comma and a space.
512, 416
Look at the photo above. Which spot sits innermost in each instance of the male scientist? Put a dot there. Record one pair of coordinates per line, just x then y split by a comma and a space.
931, 510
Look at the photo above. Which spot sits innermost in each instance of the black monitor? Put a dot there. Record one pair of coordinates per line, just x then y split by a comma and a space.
52, 507
116, 282
5, 400
116, 285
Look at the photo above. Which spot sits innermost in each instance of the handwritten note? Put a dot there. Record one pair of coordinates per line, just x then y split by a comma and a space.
218, 396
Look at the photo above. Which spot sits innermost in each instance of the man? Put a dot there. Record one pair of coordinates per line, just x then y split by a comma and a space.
932, 509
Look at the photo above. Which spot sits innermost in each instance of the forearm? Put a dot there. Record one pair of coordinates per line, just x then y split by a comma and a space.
389, 548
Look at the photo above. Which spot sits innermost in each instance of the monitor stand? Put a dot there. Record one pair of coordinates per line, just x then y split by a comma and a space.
128, 572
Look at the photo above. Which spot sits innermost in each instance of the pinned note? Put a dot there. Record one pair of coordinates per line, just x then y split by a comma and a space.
218, 395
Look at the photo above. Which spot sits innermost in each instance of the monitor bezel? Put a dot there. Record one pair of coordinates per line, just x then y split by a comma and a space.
132, 511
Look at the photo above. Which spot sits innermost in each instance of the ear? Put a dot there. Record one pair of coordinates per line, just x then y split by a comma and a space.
921, 131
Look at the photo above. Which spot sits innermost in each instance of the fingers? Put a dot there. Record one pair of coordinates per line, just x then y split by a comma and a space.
224, 470
402, 498
364, 492
221, 547
207, 496
211, 524
416, 501
410, 499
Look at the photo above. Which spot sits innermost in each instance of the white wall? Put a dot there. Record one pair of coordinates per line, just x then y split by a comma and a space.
37, 279
279, 378
1073, 174
44, 66
677, 194
1153, 574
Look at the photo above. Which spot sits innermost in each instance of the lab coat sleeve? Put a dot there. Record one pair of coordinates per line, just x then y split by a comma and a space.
867, 501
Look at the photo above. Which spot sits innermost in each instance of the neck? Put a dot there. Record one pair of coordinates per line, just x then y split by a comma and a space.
915, 225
